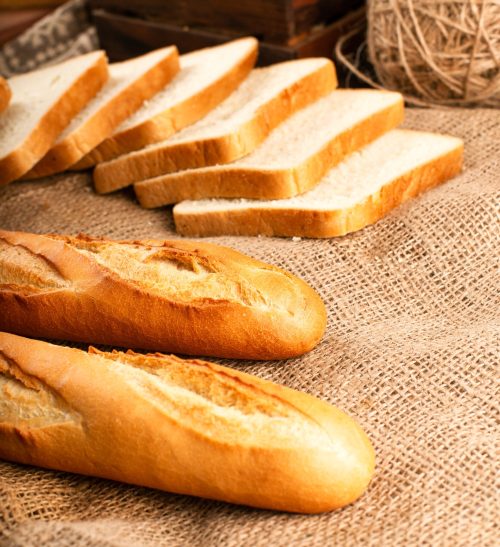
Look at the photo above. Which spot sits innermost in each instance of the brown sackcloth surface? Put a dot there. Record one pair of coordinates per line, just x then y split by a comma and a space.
411, 350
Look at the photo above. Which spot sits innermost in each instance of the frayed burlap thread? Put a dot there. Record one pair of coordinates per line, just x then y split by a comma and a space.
442, 52
411, 351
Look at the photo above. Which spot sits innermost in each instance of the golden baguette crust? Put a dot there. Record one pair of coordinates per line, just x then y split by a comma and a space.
189, 427
252, 183
168, 122
296, 222
5, 94
148, 163
50, 126
177, 296
102, 123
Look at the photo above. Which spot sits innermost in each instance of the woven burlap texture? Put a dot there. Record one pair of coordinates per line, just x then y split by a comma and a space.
411, 351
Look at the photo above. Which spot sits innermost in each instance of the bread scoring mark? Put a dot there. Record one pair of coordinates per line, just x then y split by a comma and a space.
183, 260
177, 274
22, 267
214, 404
25, 401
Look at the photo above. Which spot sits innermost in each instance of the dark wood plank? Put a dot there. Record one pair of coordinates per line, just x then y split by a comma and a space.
322, 42
274, 21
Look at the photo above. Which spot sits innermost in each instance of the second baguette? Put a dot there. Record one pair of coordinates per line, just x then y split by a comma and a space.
190, 427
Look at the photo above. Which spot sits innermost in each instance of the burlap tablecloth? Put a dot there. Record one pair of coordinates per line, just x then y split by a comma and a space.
411, 350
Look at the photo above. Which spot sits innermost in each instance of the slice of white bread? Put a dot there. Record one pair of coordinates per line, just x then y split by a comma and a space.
233, 129
295, 156
206, 78
5, 94
358, 192
43, 103
130, 84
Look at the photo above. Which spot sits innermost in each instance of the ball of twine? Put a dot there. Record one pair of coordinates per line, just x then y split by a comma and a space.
444, 52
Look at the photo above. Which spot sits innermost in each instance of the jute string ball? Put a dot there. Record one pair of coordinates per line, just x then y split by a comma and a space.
444, 52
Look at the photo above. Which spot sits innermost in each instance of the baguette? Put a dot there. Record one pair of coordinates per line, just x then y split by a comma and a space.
357, 192
189, 427
5, 94
176, 296
43, 103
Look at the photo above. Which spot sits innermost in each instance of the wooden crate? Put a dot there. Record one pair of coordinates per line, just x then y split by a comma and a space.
274, 21
124, 37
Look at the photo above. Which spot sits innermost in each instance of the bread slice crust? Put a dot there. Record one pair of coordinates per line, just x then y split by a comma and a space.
5, 94
19, 161
184, 297
185, 426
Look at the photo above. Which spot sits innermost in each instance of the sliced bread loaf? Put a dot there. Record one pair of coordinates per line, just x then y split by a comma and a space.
206, 78
358, 192
295, 156
233, 129
5, 94
130, 84
43, 103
